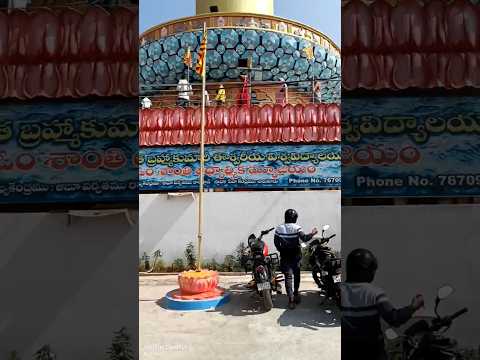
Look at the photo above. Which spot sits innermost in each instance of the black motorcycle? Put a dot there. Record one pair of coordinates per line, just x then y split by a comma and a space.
424, 339
326, 266
265, 277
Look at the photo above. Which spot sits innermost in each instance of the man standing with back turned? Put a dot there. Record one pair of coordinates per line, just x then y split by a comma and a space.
287, 241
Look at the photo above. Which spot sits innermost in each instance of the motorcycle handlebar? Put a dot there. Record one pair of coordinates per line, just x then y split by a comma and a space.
458, 313
265, 232
447, 320
327, 239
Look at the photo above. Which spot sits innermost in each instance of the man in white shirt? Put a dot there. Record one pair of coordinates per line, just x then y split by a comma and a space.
184, 90
207, 98
146, 103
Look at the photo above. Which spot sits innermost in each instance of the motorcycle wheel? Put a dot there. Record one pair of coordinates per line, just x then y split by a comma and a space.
267, 299
316, 277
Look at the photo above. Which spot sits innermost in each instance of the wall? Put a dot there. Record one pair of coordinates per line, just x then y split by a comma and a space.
419, 249
70, 286
169, 223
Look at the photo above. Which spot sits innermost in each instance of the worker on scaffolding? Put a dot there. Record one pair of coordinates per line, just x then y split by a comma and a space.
281, 97
207, 98
221, 96
244, 95
184, 91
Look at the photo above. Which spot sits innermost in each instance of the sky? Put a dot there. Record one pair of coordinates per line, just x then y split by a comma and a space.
324, 17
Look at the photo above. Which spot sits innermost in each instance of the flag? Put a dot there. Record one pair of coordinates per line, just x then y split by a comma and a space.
187, 58
202, 55
309, 53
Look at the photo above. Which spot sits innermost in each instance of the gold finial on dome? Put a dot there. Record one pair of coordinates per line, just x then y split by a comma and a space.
264, 7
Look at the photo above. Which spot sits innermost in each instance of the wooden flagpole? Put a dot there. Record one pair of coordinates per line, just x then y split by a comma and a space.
202, 161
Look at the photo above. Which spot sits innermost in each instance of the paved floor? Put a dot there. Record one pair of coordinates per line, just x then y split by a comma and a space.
239, 329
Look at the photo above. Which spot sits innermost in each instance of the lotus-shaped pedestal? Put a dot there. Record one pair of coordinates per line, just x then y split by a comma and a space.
197, 282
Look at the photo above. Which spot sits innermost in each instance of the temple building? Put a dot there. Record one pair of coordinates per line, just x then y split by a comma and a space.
277, 130
244, 38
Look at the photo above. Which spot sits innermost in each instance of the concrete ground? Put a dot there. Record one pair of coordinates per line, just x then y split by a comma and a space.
239, 329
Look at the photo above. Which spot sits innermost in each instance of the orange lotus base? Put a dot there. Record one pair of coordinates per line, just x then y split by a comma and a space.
197, 282
216, 292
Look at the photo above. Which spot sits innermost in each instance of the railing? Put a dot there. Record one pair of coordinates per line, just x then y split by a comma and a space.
261, 93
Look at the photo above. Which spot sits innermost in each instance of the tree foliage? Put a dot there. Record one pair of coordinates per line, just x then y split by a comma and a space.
190, 256
121, 348
45, 353
229, 263
13, 356
241, 257
178, 265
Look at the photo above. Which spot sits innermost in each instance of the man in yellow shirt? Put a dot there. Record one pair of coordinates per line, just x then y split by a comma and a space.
221, 97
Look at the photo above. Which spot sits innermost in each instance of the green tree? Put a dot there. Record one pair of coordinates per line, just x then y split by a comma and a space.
190, 256
229, 263
241, 257
305, 264
146, 261
213, 265
178, 265
158, 265
121, 348
45, 353
13, 356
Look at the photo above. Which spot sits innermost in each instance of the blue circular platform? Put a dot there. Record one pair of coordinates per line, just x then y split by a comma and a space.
196, 305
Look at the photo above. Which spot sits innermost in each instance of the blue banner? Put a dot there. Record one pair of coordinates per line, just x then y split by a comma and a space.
241, 167
410, 146
69, 152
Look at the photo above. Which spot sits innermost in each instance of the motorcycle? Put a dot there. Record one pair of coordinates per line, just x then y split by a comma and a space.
424, 339
265, 278
326, 267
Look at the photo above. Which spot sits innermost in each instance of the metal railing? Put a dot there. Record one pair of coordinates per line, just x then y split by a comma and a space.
261, 93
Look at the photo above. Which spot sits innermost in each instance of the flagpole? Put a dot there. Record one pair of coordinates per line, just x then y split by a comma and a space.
313, 79
188, 66
202, 161
313, 87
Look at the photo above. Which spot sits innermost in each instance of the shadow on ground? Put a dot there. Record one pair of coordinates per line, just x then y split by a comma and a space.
243, 302
162, 303
314, 312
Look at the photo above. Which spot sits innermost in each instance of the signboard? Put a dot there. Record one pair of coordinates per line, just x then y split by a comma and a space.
241, 167
410, 146
67, 153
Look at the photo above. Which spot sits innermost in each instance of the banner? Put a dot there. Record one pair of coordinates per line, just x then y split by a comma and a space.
241, 167
410, 146
66, 153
